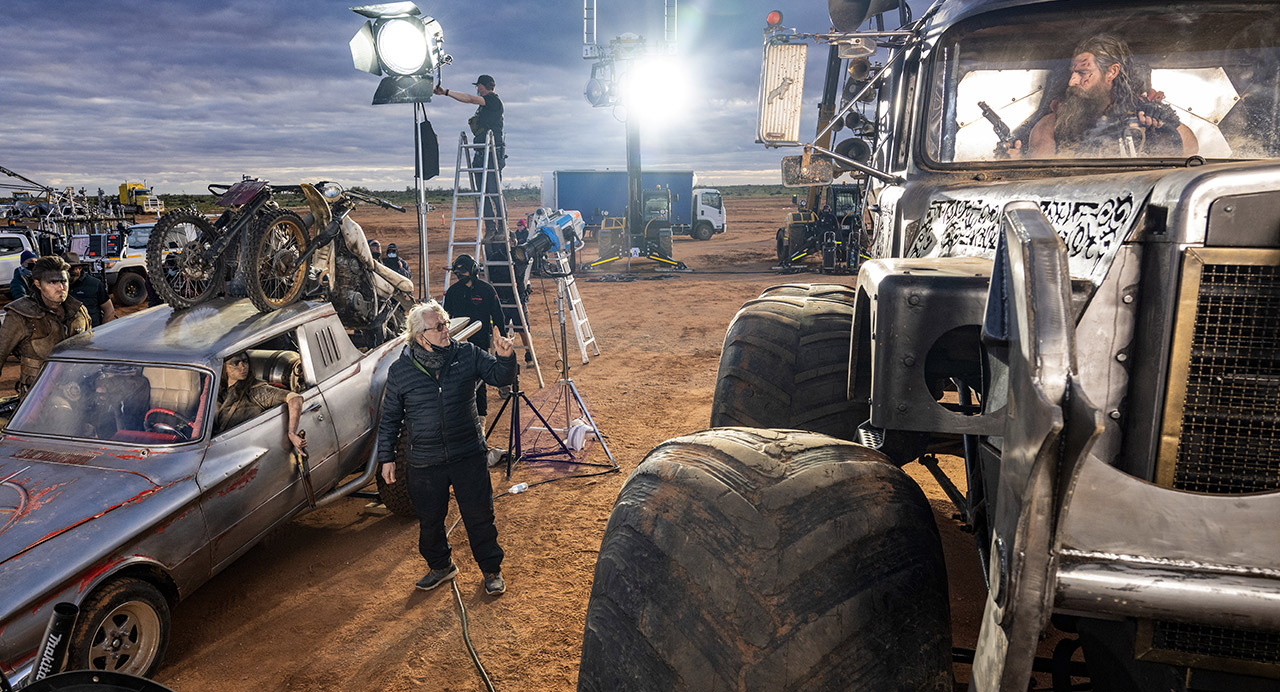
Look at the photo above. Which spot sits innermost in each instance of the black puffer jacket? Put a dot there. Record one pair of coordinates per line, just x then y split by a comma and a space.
439, 414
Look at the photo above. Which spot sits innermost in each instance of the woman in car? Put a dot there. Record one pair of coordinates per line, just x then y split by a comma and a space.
242, 397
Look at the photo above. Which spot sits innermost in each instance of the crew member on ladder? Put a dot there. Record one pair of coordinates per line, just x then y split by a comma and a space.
471, 296
488, 119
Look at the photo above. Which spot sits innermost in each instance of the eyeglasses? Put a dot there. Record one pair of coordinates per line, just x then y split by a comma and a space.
440, 327
52, 281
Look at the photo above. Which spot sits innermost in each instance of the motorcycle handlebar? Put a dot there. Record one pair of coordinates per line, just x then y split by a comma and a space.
374, 200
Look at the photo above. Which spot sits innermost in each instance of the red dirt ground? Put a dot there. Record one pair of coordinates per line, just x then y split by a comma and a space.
327, 602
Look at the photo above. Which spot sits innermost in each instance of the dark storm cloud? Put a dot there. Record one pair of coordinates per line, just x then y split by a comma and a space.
184, 93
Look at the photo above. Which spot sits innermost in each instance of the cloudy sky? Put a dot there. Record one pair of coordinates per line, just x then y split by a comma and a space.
182, 93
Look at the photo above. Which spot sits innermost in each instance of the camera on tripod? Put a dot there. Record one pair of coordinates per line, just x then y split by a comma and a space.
551, 233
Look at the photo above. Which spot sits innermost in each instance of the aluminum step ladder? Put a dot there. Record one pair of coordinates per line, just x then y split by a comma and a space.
577, 311
490, 209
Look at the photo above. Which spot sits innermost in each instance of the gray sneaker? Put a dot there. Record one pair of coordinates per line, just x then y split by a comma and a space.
493, 584
436, 577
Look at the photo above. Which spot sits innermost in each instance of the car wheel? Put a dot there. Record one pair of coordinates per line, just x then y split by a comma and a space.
741, 559
703, 231
123, 628
131, 289
395, 496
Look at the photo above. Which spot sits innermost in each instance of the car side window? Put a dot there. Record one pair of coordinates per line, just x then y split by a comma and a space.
257, 380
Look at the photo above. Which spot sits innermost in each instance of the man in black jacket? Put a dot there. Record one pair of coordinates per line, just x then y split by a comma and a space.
471, 296
430, 391
487, 120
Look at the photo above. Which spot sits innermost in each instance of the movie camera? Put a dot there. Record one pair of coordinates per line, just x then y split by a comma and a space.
551, 232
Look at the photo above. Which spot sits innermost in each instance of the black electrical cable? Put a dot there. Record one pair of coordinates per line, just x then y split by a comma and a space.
466, 637
457, 594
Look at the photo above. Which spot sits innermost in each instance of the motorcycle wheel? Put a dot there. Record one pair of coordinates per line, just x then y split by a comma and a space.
179, 271
273, 275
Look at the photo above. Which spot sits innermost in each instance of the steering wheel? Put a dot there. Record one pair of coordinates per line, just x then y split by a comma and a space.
154, 421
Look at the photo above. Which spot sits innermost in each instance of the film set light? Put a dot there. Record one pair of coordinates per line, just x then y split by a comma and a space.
408, 47
401, 42
553, 234
627, 72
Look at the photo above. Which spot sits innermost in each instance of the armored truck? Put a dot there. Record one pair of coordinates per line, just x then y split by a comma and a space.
1072, 212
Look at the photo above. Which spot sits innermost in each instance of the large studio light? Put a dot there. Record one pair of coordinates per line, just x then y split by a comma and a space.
656, 88
403, 43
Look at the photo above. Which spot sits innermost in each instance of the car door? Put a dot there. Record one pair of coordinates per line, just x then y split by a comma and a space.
340, 372
250, 480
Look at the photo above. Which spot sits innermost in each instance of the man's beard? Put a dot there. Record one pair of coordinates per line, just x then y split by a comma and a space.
1079, 112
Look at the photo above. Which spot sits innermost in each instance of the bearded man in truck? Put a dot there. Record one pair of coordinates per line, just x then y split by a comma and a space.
1108, 105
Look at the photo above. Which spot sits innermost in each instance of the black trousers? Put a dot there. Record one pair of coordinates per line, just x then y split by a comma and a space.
429, 492
491, 210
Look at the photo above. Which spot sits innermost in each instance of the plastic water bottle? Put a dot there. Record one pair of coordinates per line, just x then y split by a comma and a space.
518, 488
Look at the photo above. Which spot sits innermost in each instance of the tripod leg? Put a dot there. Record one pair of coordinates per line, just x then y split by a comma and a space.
587, 414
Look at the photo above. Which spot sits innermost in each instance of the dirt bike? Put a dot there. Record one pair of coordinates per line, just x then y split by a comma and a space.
336, 264
192, 259
271, 252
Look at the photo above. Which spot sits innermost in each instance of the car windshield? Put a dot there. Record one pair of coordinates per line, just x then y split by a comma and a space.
134, 403
138, 237
1069, 84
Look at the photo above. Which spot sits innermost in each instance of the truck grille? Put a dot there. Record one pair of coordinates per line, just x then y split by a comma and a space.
1215, 648
1218, 642
1222, 417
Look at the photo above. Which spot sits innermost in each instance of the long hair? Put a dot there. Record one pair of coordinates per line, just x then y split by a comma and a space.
1131, 82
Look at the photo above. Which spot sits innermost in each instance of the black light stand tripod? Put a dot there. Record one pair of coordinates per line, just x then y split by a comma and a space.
515, 452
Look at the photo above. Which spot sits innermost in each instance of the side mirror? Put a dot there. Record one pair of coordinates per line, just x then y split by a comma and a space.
797, 172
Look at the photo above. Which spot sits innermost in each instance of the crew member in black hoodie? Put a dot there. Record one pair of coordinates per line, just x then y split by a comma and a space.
431, 393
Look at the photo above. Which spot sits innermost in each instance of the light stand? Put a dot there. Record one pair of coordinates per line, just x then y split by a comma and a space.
515, 452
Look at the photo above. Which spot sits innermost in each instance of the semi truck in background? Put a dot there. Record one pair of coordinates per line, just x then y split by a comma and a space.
137, 198
597, 194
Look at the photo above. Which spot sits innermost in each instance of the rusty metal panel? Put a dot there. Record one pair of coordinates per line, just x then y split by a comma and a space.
781, 92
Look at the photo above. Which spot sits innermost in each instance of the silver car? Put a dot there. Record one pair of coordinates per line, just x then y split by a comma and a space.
118, 492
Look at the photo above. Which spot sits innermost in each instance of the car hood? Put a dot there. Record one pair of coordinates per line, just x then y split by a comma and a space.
39, 500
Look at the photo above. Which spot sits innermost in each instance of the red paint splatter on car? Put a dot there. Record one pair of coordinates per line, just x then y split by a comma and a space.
240, 482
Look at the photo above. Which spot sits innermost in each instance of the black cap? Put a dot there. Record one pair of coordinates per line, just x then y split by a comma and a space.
484, 79
391, 250
465, 263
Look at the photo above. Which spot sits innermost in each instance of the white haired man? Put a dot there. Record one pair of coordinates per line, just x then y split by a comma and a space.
431, 395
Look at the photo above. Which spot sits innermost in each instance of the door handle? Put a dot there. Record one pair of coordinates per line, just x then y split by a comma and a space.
313, 407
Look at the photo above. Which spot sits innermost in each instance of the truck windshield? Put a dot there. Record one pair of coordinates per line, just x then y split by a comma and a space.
126, 402
1069, 84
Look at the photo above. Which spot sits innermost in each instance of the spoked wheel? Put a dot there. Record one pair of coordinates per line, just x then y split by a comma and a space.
123, 628
273, 275
184, 276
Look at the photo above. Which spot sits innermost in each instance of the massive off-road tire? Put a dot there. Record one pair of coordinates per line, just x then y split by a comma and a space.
837, 292
123, 627
785, 364
739, 559
395, 496
182, 277
703, 231
273, 275
130, 289
780, 238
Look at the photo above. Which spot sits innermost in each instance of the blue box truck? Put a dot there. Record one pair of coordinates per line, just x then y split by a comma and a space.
596, 194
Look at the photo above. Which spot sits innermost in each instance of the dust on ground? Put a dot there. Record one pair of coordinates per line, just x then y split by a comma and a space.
327, 601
